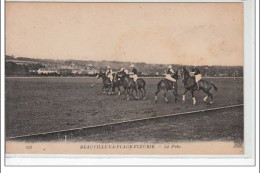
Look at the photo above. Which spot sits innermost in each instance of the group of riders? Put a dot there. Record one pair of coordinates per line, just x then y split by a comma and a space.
131, 82
169, 74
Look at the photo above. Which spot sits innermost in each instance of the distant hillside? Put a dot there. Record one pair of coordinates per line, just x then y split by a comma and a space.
27, 65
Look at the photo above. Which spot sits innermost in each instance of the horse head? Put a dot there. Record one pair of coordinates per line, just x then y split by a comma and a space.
101, 74
121, 74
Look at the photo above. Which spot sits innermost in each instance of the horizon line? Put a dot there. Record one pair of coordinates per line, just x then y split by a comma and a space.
118, 61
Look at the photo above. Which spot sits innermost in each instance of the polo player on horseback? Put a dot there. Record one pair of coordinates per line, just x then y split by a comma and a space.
123, 70
169, 74
133, 73
109, 74
196, 73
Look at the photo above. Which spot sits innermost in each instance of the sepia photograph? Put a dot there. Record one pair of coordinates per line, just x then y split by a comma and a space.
124, 78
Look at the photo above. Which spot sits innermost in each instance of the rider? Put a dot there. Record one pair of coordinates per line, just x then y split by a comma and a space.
196, 72
123, 70
133, 73
109, 74
170, 73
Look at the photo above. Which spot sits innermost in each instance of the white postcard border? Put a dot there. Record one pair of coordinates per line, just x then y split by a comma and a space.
249, 76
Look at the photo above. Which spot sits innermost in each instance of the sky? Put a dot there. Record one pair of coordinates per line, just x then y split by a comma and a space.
160, 33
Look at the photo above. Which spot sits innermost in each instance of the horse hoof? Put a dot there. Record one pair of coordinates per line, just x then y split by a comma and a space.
155, 101
144, 98
210, 102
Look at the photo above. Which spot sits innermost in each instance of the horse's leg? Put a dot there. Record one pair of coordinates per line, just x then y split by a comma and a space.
136, 92
113, 89
103, 89
140, 92
165, 94
127, 94
211, 98
144, 93
119, 91
108, 91
206, 97
175, 95
184, 94
193, 97
155, 97
209, 94
132, 92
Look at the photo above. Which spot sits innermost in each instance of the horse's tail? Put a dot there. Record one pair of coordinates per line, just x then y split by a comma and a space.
214, 86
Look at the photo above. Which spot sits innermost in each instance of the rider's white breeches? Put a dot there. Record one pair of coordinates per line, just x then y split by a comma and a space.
134, 76
168, 76
110, 76
197, 78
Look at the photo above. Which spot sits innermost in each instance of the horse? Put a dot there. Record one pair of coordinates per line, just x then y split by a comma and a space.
167, 85
106, 82
116, 83
129, 85
191, 85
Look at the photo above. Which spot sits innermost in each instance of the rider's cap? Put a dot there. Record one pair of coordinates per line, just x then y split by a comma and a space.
132, 65
169, 66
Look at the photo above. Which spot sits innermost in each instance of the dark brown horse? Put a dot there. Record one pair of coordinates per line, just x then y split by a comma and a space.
107, 84
129, 85
116, 84
167, 85
191, 85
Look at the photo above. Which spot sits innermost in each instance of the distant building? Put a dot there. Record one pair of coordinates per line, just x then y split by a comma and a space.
65, 72
33, 71
92, 72
47, 71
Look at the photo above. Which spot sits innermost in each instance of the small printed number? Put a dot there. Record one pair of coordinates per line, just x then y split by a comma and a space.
28, 147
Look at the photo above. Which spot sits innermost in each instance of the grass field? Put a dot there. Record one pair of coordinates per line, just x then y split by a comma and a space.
35, 105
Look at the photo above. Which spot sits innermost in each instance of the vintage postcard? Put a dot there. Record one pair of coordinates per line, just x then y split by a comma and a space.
163, 79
